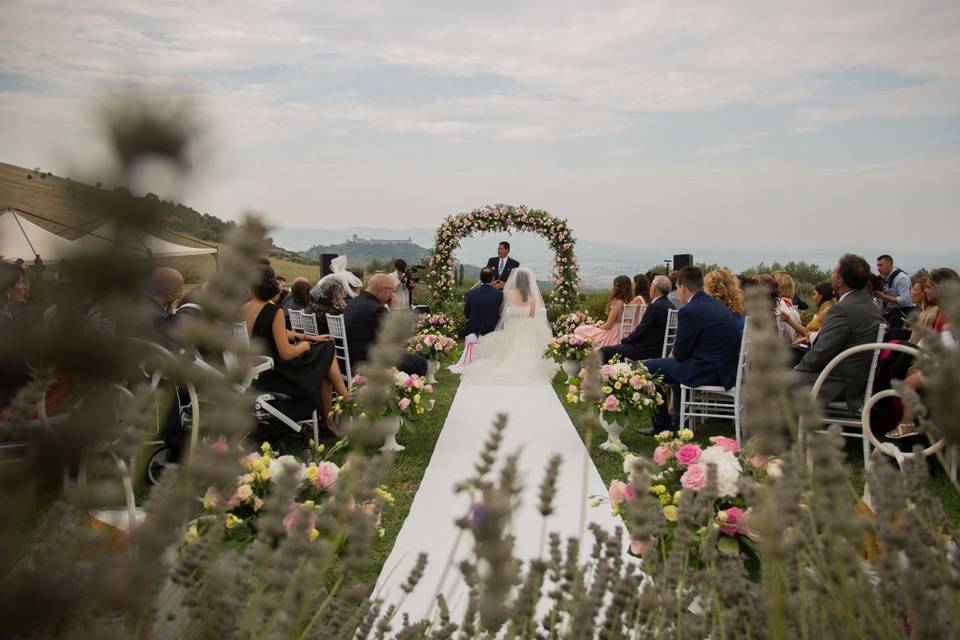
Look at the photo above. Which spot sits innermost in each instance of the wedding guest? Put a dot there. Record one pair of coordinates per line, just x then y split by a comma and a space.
404, 284
723, 286
894, 293
674, 296
304, 366
481, 305
363, 317
607, 334
299, 298
822, 301
852, 321
707, 345
646, 340
641, 287
935, 280
332, 300
15, 296
284, 291
928, 310
164, 288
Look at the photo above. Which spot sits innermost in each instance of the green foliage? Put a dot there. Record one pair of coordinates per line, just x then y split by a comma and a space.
802, 272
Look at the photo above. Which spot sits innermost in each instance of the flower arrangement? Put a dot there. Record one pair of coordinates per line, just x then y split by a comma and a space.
437, 323
684, 466
432, 346
629, 392
499, 219
261, 471
406, 398
567, 323
569, 346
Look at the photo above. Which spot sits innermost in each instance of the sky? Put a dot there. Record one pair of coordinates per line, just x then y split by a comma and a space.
730, 125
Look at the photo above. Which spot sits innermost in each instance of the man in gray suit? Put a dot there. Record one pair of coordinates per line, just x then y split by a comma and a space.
853, 321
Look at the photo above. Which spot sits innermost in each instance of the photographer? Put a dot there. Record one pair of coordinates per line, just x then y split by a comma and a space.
405, 284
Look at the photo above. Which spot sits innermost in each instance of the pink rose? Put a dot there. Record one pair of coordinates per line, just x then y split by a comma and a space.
688, 454
428, 388
408, 382
694, 478
358, 379
730, 520
327, 474
637, 547
743, 526
727, 443
629, 493
611, 404
617, 492
636, 382
662, 455
606, 370
404, 403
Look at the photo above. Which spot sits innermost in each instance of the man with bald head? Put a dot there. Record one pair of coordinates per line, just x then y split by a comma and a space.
362, 319
163, 289
646, 340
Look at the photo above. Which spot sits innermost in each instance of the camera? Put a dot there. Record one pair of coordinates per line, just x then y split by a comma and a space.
411, 274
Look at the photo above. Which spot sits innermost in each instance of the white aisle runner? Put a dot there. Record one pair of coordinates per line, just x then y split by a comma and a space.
537, 425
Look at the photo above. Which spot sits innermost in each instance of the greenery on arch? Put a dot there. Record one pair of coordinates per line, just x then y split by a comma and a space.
500, 219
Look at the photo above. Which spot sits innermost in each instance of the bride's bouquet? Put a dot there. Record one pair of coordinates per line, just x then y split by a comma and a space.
629, 392
568, 347
407, 398
432, 346
569, 322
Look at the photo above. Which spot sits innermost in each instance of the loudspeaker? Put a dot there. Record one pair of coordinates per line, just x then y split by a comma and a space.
325, 260
681, 260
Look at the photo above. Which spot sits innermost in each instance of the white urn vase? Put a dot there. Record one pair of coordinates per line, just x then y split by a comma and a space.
613, 428
389, 426
571, 368
432, 367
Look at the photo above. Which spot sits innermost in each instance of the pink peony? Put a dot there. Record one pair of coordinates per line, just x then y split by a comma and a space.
694, 478
730, 522
662, 455
727, 443
404, 403
688, 454
611, 404
617, 492
327, 474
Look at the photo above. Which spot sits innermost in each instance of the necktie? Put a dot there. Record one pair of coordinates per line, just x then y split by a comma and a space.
502, 263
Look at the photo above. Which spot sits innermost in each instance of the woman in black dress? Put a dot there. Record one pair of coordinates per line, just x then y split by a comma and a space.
304, 366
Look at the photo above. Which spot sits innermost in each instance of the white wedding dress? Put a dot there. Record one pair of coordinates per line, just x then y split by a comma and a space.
513, 354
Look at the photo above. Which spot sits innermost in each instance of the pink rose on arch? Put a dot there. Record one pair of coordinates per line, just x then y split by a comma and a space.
694, 478
688, 454
611, 404
729, 520
617, 492
404, 403
327, 474
662, 455
727, 443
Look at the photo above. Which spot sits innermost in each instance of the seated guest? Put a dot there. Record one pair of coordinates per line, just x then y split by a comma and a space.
481, 305
822, 301
936, 278
707, 345
646, 340
284, 291
607, 333
852, 321
299, 298
894, 293
674, 297
332, 300
363, 316
723, 286
163, 290
641, 287
304, 366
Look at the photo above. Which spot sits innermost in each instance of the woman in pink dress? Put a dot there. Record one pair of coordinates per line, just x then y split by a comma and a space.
608, 333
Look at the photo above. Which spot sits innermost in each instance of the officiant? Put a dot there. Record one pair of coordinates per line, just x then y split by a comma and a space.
502, 264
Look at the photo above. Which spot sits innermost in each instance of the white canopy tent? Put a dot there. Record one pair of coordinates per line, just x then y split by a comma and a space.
20, 238
135, 240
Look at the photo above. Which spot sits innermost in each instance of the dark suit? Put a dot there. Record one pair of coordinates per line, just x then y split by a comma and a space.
481, 306
362, 319
646, 340
705, 352
851, 322
494, 263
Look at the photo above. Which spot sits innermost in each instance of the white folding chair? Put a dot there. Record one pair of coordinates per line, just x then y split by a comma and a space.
308, 322
715, 401
626, 319
670, 333
338, 332
838, 413
296, 319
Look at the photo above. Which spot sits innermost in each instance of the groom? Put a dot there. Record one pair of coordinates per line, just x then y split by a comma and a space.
481, 305
502, 265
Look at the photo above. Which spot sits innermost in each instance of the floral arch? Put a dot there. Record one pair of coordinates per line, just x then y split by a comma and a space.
500, 219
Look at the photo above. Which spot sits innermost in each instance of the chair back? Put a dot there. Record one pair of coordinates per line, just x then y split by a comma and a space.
308, 322
670, 333
626, 319
296, 319
240, 334
744, 359
338, 331
881, 331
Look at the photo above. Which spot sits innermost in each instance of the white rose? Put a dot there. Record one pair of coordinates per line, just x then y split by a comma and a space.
631, 463
400, 377
728, 469
287, 464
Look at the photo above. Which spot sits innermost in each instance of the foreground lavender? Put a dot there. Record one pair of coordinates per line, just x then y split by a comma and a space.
63, 579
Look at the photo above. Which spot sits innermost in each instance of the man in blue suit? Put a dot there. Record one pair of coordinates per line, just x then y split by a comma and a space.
502, 265
481, 305
707, 346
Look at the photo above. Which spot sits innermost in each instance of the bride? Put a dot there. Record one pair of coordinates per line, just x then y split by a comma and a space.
513, 353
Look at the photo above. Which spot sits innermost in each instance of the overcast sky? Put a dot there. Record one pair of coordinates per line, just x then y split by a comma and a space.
728, 124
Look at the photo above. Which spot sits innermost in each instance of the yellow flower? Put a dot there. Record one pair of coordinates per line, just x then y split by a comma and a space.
312, 472
686, 435
618, 385
670, 513
259, 463
572, 398
607, 390
244, 492
192, 535
416, 399
321, 448
313, 533
257, 504
309, 503
386, 495
265, 447
676, 497
663, 436
665, 500
658, 489
381, 532
209, 498
264, 474
233, 521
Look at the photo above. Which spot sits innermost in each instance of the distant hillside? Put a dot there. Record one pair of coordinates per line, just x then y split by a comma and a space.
362, 252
